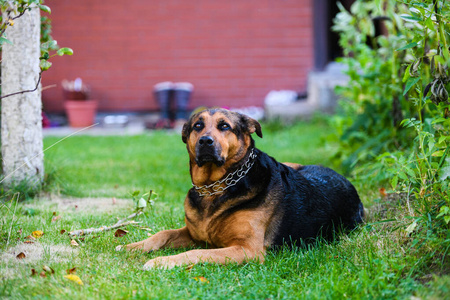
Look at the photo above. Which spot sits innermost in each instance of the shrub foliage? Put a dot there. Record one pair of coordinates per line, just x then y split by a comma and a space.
394, 119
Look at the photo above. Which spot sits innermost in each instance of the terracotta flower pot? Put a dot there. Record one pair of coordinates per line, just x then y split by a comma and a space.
81, 113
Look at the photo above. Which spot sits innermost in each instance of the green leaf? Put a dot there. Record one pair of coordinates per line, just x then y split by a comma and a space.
410, 45
429, 23
438, 153
410, 83
48, 45
411, 227
410, 18
142, 203
45, 65
394, 182
45, 56
45, 8
444, 173
4, 40
64, 51
406, 76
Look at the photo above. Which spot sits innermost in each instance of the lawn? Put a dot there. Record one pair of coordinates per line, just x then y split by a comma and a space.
100, 173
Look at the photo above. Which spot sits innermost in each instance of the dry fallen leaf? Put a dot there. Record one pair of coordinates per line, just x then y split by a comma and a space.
54, 213
383, 192
33, 272
31, 238
201, 279
21, 255
74, 243
188, 268
37, 234
71, 271
29, 242
74, 278
42, 274
62, 231
120, 233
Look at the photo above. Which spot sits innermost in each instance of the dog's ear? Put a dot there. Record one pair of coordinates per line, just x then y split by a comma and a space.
252, 126
185, 131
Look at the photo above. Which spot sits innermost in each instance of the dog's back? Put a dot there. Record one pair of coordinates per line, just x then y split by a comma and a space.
318, 201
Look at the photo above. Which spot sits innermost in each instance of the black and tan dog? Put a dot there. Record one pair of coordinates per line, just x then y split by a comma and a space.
244, 201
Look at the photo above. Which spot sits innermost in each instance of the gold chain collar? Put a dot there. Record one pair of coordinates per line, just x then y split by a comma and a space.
217, 188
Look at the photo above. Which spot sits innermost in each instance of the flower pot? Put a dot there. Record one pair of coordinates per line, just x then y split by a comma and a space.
81, 113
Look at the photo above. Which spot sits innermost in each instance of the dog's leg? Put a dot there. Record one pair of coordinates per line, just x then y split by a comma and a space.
232, 254
175, 238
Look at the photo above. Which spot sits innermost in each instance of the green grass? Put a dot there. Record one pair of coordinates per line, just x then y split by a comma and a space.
374, 262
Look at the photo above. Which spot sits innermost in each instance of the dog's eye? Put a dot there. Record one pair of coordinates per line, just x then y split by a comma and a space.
198, 126
224, 126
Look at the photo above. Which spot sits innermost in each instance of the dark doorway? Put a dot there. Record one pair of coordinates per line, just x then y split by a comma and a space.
326, 41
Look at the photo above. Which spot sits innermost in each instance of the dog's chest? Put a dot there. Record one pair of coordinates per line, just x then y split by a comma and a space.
199, 226
200, 221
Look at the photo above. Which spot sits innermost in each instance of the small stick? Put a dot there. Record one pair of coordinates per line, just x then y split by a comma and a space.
82, 232
129, 217
119, 223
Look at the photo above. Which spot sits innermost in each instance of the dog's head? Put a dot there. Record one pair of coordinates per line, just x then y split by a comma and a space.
219, 137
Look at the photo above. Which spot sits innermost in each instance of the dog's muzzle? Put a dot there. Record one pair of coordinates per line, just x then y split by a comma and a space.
208, 151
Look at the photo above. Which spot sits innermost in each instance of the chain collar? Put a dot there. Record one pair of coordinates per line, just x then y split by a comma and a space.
217, 188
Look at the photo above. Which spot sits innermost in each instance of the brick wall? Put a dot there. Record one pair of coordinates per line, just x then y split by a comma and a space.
234, 52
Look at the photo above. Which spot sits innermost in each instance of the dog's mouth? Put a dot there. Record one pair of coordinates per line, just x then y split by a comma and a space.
204, 157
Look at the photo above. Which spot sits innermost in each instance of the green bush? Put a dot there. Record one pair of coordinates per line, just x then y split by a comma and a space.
394, 117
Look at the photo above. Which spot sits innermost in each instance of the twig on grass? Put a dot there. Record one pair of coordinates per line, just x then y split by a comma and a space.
82, 232
119, 223
132, 216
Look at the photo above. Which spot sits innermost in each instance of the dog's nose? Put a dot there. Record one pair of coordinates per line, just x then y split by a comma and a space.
206, 141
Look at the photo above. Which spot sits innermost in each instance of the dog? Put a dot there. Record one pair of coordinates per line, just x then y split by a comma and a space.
244, 202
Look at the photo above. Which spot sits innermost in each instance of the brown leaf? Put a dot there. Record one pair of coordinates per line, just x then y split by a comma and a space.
31, 238
56, 218
74, 243
120, 233
21, 255
71, 271
29, 242
42, 274
33, 272
37, 234
54, 213
383, 192
62, 231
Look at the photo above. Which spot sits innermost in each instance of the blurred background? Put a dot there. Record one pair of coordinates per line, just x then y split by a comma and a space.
233, 52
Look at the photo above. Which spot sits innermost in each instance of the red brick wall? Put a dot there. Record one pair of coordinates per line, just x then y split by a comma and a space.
234, 52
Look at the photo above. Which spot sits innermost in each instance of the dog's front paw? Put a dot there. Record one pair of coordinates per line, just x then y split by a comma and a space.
162, 262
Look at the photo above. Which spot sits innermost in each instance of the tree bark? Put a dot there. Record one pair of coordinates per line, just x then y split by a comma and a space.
21, 115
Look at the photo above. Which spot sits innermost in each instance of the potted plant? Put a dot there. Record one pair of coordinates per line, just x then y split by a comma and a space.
80, 110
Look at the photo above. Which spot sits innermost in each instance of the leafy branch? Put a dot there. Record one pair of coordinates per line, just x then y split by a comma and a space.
16, 9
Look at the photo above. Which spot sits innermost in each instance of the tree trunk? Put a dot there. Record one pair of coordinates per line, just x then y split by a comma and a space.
21, 115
